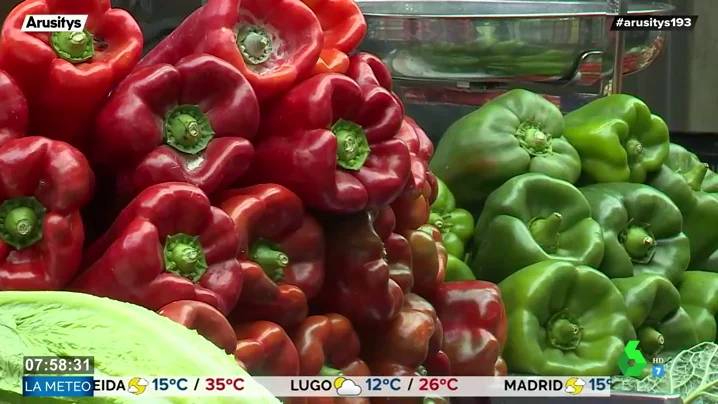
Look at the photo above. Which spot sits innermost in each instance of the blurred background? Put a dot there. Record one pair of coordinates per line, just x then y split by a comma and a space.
681, 86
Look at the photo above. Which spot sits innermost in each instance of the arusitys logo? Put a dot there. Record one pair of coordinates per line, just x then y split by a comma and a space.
54, 23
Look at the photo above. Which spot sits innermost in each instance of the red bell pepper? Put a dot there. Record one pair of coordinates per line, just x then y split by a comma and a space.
332, 61
205, 319
397, 251
413, 206
66, 76
274, 43
265, 349
474, 321
281, 253
188, 123
333, 143
328, 345
13, 110
357, 283
43, 185
168, 244
344, 28
368, 70
429, 259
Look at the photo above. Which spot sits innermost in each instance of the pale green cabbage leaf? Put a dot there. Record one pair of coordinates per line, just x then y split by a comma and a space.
124, 339
693, 374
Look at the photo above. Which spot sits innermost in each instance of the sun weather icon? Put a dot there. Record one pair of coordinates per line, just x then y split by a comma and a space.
574, 386
346, 387
137, 386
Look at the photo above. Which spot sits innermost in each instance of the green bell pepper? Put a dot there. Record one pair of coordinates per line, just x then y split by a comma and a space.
699, 297
618, 139
456, 225
457, 270
564, 320
515, 133
710, 183
654, 307
681, 179
533, 218
642, 231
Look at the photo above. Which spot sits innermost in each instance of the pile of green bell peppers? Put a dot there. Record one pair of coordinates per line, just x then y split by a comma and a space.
596, 228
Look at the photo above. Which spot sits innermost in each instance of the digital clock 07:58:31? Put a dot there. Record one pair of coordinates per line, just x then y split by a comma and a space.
59, 365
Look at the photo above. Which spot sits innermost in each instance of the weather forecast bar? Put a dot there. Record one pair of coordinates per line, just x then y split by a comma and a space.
47, 386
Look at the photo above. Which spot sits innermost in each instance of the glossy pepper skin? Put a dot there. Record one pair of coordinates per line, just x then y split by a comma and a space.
328, 345
533, 218
344, 27
699, 298
281, 253
618, 139
681, 178
398, 251
654, 308
564, 320
356, 162
192, 122
13, 110
515, 133
413, 204
205, 319
168, 244
265, 349
428, 259
273, 50
358, 284
456, 224
641, 231
43, 185
65, 84
474, 322
367, 69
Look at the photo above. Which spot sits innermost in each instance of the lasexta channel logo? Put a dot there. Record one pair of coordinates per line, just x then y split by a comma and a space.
632, 362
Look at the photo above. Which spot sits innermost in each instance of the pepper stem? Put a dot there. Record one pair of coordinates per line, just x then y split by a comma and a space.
695, 176
187, 129
438, 221
352, 145
330, 371
272, 261
563, 332
185, 257
639, 243
75, 47
21, 221
651, 341
545, 231
634, 148
533, 139
255, 44
421, 371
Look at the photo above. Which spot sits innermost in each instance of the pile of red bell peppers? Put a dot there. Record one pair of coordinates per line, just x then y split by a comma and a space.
252, 177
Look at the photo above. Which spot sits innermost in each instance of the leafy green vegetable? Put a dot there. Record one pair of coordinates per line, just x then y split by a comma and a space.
125, 340
693, 374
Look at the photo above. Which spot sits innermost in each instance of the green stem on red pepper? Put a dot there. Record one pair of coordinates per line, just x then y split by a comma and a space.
184, 256
255, 44
75, 47
330, 371
187, 129
21, 221
563, 332
545, 231
352, 145
271, 260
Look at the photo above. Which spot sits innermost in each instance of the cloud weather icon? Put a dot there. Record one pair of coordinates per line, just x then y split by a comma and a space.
137, 386
574, 386
346, 387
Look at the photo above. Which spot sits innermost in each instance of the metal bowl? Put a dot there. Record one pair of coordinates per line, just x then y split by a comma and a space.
500, 41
